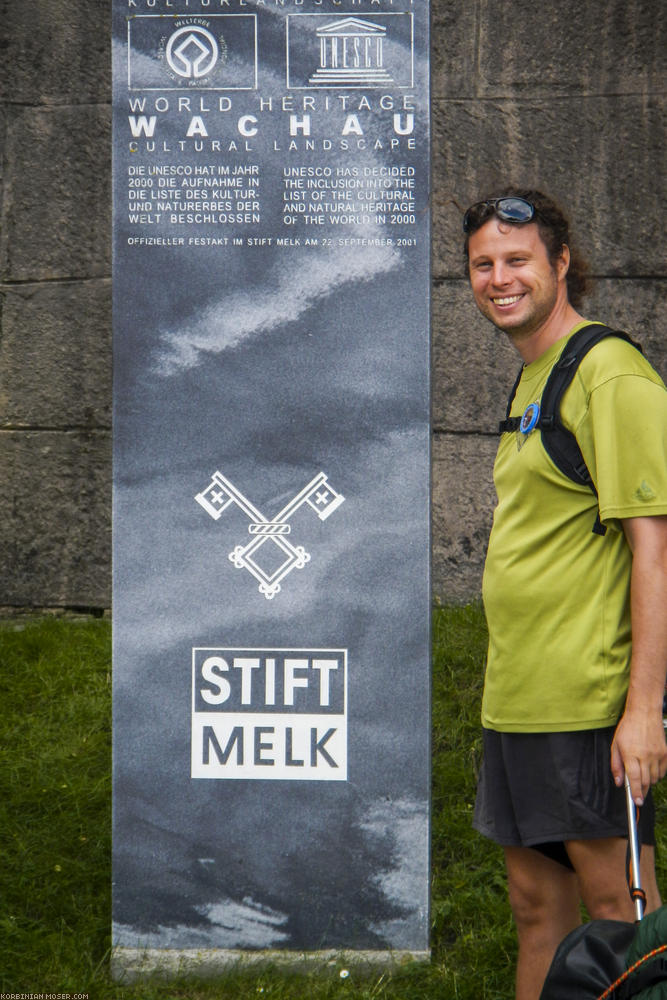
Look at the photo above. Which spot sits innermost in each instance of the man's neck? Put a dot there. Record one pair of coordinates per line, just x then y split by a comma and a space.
534, 344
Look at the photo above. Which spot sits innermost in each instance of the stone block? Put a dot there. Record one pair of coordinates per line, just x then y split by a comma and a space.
550, 50
55, 508
463, 498
473, 364
55, 355
638, 307
56, 52
454, 29
57, 194
598, 156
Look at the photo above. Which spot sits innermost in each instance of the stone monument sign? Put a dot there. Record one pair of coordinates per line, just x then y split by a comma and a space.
271, 480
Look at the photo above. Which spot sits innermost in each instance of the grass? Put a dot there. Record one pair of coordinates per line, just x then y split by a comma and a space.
55, 787
55, 834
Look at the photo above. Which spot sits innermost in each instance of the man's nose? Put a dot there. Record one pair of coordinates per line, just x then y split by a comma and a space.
500, 275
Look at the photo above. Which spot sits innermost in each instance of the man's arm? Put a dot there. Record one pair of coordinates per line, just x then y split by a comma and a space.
639, 749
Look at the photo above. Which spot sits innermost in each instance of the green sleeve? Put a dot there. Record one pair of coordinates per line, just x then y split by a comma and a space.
623, 438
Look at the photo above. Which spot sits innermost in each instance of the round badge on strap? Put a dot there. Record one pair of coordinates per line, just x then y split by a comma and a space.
530, 417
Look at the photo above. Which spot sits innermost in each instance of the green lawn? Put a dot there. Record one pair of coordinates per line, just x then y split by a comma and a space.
55, 808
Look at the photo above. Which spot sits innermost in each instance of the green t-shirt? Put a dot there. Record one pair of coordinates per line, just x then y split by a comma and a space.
556, 595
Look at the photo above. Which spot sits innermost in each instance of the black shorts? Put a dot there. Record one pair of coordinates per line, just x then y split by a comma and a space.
541, 789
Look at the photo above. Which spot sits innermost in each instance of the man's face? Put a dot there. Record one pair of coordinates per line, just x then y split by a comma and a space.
513, 281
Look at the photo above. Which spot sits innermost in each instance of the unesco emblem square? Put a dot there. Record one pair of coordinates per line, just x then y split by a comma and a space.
350, 51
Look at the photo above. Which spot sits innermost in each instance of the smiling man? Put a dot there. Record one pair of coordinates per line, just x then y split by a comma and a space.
575, 587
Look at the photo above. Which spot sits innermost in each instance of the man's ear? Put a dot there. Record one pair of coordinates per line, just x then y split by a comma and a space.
563, 262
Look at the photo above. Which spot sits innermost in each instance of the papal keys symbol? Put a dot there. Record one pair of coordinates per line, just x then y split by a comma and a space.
278, 556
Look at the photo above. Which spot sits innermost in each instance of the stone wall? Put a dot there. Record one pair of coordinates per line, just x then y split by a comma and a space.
566, 96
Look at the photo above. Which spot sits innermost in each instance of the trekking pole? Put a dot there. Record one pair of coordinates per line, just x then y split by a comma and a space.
636, 892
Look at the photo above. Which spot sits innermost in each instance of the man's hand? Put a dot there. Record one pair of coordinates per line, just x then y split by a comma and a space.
639, 748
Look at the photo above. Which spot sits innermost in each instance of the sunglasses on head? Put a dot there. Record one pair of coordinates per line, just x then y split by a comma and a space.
507, 209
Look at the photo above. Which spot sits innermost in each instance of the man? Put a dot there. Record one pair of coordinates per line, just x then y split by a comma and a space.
577, 619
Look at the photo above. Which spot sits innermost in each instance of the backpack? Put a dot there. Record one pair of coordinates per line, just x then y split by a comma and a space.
559, 443
604, 960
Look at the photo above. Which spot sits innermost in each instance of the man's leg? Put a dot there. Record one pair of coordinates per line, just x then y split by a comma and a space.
544, 896
601, 866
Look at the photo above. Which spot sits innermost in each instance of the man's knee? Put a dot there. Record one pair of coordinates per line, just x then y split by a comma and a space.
609, 903
601, 870
542, 893
529, 901
532, 918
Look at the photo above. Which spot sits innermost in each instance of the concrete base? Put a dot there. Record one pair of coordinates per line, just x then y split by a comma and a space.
130, 965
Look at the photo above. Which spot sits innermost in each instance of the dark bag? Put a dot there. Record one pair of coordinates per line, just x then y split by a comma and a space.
588, 960
614, 959
596, 960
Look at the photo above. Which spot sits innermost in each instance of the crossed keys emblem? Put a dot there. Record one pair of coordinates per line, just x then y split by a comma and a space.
278, 556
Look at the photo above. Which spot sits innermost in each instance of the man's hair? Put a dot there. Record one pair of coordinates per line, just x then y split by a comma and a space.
554, 231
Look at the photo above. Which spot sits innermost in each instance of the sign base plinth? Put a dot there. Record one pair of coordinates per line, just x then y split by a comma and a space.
131, 965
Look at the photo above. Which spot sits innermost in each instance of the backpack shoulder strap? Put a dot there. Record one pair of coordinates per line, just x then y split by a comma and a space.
562, 373
559, 443
511, 423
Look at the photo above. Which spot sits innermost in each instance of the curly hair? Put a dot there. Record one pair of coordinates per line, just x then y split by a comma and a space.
554, 231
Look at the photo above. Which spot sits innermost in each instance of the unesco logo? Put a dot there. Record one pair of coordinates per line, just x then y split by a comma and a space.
192, 52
